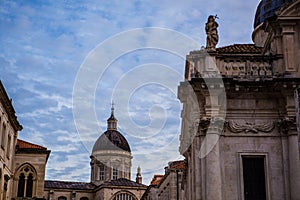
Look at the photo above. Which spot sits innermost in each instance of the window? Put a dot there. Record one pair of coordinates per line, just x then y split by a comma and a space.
26, 181
21, 185
84, 198
115, 173
62, 198
3, 135
124, 196
254, 177
102, 173
8, 146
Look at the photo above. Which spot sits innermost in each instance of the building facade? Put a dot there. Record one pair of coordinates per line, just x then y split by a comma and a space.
239, 129
110, 172
9, 127
169, 185
23, 166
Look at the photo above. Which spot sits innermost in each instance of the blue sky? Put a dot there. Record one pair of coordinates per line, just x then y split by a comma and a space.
45, 46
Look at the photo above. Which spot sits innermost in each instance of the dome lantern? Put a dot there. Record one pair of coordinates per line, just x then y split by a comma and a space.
112, 121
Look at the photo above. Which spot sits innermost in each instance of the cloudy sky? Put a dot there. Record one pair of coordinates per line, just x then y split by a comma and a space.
63, 62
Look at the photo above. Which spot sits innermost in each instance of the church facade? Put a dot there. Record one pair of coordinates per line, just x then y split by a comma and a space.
240, 110
239, 135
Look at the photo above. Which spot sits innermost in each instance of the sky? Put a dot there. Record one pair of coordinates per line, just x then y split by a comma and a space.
64, 62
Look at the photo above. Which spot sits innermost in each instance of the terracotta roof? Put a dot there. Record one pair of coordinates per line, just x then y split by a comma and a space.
157, 178
69, 185
180, 164
123, 182
27, 145
240, 48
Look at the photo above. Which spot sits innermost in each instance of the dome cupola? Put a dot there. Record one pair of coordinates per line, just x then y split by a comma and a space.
111, 139
111, 154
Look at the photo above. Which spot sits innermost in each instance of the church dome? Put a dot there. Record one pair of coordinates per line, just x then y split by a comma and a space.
111, 140
266, 9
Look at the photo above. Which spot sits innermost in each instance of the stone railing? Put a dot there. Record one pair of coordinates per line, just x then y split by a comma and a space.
231, 69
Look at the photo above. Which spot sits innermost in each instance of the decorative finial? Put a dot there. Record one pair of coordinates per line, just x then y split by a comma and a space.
211, 32
139, 178
112, 121
112, 107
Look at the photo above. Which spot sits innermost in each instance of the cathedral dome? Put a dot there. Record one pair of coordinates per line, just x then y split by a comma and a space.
266, 9
111, 140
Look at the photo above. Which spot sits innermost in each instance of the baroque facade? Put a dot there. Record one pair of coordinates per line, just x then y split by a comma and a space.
239, 119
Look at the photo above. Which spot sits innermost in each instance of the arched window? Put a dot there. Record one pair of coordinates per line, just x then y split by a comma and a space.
124, 196
84, 198
21, 185
26, 180
62, 198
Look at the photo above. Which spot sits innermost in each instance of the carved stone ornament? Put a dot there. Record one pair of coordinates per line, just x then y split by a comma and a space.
286, 124
214, 123
250, 127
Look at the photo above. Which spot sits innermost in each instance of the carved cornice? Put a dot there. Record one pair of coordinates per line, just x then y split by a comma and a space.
6, 102
236, 127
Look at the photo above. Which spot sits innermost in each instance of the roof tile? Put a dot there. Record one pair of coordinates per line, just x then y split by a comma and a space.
240, 48
69, 185
27, 145
123, 182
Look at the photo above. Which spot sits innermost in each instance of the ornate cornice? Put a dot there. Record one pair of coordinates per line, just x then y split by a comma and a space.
6, 102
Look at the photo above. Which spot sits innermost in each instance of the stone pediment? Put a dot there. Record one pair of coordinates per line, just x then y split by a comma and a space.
291, 10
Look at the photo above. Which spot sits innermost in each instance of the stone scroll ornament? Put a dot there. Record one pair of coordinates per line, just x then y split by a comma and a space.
250, 127
211, 32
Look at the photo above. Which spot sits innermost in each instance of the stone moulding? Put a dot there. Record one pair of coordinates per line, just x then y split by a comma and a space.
247, 127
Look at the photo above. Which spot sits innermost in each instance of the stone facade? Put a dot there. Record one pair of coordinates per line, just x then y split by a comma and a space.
239, 111
110, 172
23, 166
9, 127
167, 186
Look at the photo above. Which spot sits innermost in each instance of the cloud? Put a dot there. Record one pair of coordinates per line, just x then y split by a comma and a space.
43, 45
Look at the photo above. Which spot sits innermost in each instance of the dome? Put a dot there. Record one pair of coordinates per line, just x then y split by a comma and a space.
111, 140
266, 9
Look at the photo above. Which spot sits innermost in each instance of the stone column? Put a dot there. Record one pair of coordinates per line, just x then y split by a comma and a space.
294, 166
213, 173
210, 152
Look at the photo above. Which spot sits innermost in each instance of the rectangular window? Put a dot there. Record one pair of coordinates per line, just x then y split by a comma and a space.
115, 173
254, 177
8, 146
101, 177
3, 135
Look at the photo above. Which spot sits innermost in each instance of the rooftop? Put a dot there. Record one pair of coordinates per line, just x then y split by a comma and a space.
240, 49
27, 145
123, 182
69, 185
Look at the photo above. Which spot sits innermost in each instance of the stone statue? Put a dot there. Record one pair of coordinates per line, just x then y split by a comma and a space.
212, 33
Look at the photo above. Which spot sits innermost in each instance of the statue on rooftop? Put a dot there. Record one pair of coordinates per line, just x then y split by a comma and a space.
211, 32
